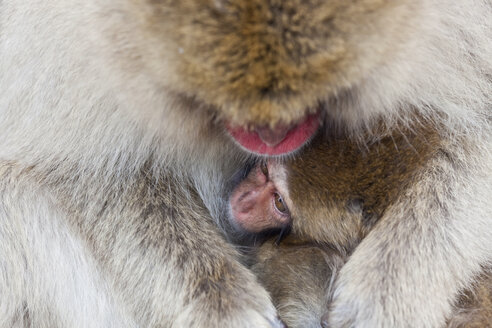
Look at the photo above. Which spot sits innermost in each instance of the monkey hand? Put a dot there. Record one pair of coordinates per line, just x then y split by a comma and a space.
385, 285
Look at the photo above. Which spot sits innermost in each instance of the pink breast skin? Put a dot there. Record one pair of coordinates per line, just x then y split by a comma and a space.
293, 137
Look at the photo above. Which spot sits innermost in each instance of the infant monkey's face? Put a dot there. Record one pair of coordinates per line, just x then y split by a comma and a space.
261, 202
294, 196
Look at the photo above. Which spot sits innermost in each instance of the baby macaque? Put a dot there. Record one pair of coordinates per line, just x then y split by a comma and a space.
330, 206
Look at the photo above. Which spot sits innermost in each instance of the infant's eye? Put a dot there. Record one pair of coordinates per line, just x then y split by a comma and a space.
264, 168
279, 203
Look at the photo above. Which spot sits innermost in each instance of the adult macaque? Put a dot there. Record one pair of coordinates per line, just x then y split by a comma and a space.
123, 123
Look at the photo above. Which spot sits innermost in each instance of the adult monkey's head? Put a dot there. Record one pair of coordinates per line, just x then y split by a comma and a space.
272, 70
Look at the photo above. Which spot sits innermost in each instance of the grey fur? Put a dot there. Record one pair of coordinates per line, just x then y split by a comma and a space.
102, 224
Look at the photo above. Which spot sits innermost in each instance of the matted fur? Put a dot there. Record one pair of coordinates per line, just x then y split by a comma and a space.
110, 114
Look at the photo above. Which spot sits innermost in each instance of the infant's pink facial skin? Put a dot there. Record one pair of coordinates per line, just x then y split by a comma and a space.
252, 203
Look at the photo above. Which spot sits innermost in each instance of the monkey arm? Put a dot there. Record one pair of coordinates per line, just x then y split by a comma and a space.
429, 245
168, 238
48, 278
147, 255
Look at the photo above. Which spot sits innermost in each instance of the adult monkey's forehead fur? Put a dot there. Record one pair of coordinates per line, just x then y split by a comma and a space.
115, 162
265, 61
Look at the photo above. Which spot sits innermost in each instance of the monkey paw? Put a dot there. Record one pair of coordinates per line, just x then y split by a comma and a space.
360, 300
242, 312
367, 298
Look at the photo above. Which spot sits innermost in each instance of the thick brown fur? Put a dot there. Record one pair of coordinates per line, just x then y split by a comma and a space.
352, 184
271, 57
299, 275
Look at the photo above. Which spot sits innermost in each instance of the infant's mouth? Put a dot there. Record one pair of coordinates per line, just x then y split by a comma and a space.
281, 139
